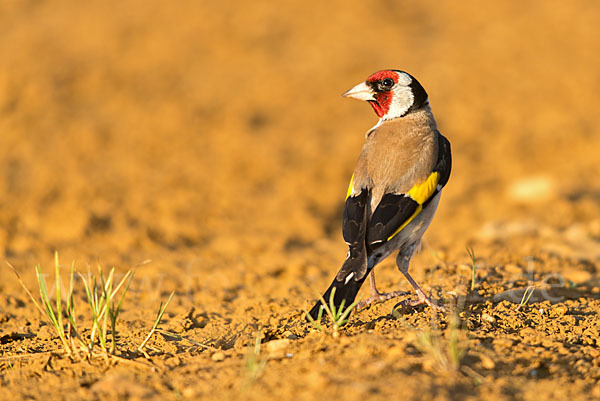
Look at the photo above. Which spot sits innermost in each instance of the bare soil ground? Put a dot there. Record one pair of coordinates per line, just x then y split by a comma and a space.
209, 138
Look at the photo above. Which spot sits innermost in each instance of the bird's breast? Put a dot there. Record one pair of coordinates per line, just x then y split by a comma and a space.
399, 156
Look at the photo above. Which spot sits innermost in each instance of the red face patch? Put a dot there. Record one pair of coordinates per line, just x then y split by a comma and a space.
383, 101
382, 104
379, 75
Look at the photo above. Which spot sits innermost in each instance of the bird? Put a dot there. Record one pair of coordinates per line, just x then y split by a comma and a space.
394, 191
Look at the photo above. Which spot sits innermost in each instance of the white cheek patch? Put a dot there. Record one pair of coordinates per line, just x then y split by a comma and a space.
401, 102
403, 97
404, 79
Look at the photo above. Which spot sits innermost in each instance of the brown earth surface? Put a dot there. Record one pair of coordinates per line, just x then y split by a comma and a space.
210, 138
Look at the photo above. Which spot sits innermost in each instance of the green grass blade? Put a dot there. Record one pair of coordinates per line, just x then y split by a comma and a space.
344, 316
339, 311
70, 303
332, 303
95, 292
37, 305
89, 291
106, 299
57, 284
114, 311
471, 254
45, 297
315, 323
71, 307
161, 311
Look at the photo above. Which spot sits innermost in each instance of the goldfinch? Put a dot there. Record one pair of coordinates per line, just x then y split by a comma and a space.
395, 189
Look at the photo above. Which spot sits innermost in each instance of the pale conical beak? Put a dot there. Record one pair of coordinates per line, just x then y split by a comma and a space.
361, 91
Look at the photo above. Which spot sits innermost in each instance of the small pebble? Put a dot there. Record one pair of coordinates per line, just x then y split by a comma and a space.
218, 356
173, 362
561, 310
488, 318
289, 335
487, 362
277, 345
189, 392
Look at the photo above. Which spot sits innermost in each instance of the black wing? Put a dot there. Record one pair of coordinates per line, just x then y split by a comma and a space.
444, 162
393, 211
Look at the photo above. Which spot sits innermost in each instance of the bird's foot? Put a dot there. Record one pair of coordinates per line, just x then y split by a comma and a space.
379, 297
423, 299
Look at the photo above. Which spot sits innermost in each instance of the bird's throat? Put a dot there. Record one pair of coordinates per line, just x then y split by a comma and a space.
377, 108
382, 103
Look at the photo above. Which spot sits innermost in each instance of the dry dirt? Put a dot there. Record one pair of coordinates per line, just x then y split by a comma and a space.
210, 138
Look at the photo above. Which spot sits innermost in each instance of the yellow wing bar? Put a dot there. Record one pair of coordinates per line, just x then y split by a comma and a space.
423, 191
350, 187
417, 211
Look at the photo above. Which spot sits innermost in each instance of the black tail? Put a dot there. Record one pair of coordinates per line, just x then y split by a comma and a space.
343, 292
354, 270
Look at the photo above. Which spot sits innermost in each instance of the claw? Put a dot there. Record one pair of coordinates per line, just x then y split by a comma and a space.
379, 297
423, 299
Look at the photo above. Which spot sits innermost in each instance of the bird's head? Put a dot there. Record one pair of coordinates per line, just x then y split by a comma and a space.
391, 93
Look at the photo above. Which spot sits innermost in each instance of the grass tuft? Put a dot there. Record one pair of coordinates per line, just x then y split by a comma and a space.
254, 364
105, 298
338, 316
526, 296
446, 352
101, 294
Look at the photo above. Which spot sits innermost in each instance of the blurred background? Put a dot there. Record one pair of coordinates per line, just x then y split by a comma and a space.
210, 138
145, 129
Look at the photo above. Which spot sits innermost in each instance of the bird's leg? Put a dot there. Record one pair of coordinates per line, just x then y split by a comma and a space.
423, 299
403, 261
377, 296
374, 291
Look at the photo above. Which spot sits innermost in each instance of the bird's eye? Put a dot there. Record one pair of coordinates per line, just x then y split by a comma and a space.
386, 84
